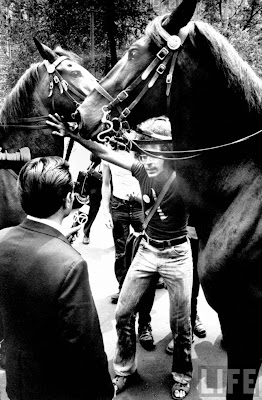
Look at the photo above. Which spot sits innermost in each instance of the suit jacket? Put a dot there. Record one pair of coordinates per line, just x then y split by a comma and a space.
54, 345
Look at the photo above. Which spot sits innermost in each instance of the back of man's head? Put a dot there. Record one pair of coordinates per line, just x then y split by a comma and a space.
43, 185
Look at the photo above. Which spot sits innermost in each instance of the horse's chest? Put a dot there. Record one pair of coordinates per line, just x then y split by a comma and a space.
232, 253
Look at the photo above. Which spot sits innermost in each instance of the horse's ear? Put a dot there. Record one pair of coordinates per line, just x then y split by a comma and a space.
180, 16
45, 51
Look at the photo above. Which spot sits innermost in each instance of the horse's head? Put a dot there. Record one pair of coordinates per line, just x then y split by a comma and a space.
134, 79
63, 83
57, 84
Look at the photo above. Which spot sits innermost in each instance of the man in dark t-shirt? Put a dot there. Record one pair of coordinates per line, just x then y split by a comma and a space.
164, 250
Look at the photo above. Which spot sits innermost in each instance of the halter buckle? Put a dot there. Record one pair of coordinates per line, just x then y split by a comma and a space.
122, 96
169, 78
125, 112
160, 69
162, 53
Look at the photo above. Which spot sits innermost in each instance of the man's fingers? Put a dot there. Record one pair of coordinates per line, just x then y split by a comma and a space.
57, 133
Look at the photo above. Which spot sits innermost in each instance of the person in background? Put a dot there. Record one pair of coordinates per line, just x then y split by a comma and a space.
93, 188
122, 209
165, 250
88, 191
54, 345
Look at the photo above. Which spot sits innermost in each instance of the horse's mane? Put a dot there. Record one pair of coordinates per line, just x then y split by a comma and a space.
20, 97
238, 74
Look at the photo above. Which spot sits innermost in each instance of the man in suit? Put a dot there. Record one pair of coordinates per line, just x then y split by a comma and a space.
54, 345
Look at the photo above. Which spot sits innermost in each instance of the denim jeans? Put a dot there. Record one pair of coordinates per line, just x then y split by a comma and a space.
174, 264
93, 189
124, 214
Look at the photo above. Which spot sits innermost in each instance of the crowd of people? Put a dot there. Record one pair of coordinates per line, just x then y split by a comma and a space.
57, 315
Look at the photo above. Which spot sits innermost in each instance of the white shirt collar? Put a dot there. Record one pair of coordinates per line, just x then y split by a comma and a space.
46, 221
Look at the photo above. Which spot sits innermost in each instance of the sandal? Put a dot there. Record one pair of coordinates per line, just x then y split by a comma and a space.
121, 382
179, 387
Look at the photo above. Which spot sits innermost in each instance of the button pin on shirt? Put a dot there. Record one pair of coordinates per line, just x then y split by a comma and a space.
146, 198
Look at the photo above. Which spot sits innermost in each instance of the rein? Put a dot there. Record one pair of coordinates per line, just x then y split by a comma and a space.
158, 153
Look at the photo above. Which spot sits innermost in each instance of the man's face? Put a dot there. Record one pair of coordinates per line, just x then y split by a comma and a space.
153, 166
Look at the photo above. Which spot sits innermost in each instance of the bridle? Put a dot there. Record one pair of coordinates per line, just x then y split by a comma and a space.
167, 55
64, 87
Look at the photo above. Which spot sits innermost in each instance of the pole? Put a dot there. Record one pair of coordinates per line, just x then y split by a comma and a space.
92, 40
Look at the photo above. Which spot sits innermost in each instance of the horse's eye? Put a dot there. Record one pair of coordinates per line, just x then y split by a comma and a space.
75, 73
133, 54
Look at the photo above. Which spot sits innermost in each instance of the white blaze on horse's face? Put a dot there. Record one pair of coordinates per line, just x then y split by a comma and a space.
77, 75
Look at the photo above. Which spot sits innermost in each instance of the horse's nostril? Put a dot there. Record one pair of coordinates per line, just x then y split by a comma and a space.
76, 116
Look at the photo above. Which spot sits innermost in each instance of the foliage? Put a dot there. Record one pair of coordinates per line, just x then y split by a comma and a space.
240, 22
67, 23
116, 23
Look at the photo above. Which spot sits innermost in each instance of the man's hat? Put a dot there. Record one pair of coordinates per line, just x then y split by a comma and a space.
156, 130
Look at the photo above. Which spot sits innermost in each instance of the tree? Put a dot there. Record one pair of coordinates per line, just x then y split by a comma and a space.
240, 22
116, 23
67, 23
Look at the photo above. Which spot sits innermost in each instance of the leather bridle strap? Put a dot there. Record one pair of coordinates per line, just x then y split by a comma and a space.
159, 63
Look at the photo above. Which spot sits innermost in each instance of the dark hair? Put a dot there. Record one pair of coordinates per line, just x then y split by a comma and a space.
43, 185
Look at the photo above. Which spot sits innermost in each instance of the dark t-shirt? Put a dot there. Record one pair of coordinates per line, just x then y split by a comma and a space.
170, 219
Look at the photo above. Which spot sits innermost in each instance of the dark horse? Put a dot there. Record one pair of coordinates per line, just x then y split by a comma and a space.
189, 72
58, 84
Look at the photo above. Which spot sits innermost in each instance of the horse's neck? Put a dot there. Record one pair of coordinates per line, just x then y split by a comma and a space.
41, 142
215, 185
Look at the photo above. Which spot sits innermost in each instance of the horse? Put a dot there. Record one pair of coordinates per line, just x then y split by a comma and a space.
188, 71
57, 84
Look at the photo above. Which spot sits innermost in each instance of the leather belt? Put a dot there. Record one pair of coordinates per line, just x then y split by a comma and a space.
164, 244
129, 201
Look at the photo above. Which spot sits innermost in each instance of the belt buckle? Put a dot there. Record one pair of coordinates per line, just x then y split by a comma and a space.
163, 245
168, 243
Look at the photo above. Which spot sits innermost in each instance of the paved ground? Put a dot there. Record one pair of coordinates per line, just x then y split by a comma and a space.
209, 359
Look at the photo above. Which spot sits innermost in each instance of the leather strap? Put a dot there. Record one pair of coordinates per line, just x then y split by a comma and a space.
159, 199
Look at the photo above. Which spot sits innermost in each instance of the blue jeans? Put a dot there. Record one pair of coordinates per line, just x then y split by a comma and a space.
124, 214
93, 189
174, 264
